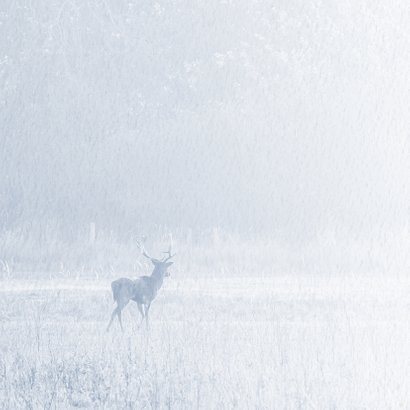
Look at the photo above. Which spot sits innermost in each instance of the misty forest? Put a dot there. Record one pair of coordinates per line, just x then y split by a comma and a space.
204, 205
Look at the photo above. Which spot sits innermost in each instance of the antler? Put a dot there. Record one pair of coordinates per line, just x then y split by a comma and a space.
163, 260
144, 252
168, 252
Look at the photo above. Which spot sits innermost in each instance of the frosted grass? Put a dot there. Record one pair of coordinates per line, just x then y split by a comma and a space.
285, 342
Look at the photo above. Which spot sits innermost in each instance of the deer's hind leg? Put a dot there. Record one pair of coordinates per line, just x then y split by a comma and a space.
114, 313
117, 312
120, 307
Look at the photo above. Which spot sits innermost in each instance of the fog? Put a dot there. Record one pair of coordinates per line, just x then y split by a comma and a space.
243, 166
271, 117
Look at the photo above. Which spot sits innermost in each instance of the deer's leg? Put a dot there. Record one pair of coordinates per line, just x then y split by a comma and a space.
119, 319
146, 314
121, 306
114, 313
141, 310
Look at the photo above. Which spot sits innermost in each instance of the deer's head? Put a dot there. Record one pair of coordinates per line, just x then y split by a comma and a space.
160, 268
160, 265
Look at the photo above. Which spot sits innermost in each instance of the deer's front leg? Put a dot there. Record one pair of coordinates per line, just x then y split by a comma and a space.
141, 310
146, 314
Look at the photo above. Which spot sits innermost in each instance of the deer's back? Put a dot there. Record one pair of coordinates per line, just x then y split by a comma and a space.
141, 290
122, 289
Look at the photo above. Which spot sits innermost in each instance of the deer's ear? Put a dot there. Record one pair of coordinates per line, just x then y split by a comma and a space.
168, 264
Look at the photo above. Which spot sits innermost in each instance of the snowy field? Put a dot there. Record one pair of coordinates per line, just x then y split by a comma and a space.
271, 343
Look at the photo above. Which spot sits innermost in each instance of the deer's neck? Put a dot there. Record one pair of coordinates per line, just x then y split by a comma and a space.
157, 278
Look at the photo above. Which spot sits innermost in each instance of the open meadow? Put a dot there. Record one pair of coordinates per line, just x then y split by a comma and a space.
284, 342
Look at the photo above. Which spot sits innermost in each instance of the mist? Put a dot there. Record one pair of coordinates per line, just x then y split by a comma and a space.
262, 116
204, 205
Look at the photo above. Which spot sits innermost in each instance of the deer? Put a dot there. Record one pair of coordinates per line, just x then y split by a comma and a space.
143, 290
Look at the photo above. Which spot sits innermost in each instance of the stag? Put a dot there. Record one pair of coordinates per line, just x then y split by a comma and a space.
143, 290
